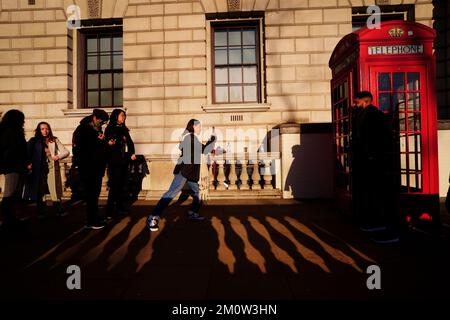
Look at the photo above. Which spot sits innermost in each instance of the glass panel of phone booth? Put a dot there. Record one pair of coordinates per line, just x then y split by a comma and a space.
398, 96
341, 125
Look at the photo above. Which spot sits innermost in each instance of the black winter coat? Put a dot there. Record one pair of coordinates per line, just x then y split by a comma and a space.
191, 150
13, 151
89, 151
121, 151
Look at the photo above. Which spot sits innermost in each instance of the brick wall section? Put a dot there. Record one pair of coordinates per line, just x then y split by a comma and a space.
35, 59
164, 69
165, 62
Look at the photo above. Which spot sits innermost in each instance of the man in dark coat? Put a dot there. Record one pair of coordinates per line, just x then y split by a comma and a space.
373, 188
89, 152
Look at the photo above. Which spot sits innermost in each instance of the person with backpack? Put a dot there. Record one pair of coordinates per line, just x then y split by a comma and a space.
13, 162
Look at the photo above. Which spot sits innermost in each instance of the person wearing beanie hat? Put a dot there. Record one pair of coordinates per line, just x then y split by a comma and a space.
89, 155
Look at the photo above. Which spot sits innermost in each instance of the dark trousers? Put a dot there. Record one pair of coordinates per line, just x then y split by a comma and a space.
117, 181
92, 182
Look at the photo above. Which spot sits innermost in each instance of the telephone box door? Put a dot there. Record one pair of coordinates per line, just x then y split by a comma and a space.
400, 92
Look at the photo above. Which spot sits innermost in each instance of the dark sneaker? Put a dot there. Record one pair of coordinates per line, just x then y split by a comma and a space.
385, 237
194, 216
95, 226
152, 223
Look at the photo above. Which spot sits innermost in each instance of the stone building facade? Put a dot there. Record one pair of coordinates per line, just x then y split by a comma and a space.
175, 60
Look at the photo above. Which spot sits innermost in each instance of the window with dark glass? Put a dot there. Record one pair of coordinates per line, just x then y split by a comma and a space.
236, 63
103, 69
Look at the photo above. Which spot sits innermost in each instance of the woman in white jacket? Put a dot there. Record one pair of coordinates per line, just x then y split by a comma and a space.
45, 151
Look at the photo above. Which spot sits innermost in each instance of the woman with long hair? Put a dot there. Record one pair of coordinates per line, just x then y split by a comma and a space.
119, 154
45, 150
187, 171
13, 161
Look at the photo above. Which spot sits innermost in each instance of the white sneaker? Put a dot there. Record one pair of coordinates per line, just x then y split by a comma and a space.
152, 223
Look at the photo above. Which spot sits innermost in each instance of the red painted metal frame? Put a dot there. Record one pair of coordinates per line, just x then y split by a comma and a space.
351, 60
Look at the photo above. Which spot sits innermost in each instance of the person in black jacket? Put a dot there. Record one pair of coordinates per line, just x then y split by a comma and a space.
13, 161
374, 188
120, 153
187, 171
89, 152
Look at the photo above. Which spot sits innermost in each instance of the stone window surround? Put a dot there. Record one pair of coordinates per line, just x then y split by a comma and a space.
77, 111
210, 107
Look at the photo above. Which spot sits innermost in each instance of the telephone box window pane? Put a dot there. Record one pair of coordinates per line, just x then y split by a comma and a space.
344, 107
413, 81
403, 161
412, 181
106, 98
385, 101
106, 80
402, 121
236, 75
221, 76
402, 142
412, 143
403, 180
412, 161
414, 121
221, 56
234, 38
93, 99
399, 81
235, 94
250, 75
384, 82
413, 101
419, 147
250, 93
92, 81
419, 185
419, 162
222, 94
235, 56
398, 101
220, 38
345, 89
92, 63
248, 37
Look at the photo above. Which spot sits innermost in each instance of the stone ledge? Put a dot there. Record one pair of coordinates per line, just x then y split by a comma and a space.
85, 111
241, 107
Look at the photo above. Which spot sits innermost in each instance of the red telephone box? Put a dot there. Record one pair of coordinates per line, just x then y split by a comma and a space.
396, 64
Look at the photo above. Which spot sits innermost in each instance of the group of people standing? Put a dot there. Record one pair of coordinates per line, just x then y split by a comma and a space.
32, 169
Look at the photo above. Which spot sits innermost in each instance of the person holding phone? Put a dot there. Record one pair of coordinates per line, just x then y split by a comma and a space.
187, 171
120, 151
89, 152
